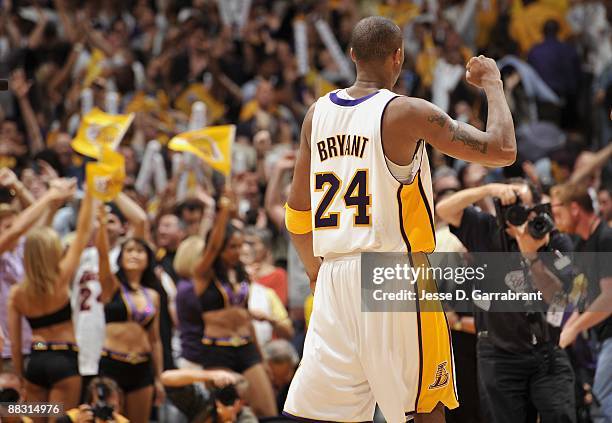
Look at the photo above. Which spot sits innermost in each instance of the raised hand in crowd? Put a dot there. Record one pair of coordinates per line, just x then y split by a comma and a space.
59, 191
9, 180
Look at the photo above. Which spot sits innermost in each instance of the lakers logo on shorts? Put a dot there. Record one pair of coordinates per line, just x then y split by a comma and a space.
442, 376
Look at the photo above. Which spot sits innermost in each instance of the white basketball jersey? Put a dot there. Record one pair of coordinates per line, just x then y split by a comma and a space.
88, 310
357, 204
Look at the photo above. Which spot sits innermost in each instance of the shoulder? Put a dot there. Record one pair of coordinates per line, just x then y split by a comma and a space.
403, 113
153, 294
309, 114
401, 106
15, 294
307, 125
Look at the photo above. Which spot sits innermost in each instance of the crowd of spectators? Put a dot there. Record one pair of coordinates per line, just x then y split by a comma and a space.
156, 280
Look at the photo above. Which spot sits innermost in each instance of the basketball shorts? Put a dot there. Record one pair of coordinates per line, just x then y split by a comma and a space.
353, 359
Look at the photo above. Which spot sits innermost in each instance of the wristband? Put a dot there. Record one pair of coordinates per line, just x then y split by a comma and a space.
225, 202
298, 222
16, 189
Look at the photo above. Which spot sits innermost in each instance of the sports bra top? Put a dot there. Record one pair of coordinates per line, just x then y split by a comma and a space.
121, 308
62, 315
220, 295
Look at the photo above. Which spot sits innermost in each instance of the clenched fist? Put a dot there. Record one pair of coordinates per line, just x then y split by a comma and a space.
480, 70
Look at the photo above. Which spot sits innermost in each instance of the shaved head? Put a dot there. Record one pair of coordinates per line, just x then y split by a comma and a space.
375, 38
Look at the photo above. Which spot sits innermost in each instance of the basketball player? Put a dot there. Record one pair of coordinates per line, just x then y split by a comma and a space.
362, 154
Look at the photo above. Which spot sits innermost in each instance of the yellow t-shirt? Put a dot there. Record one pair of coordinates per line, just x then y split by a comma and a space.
277, 309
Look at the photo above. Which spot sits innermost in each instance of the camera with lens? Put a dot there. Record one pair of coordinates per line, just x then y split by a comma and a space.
226, 395
517, 214
101, 409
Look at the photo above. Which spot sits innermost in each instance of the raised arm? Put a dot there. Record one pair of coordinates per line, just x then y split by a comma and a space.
58, 82
227, 207
61, 191
599, 159
71, 260
96, 39
420, 119
36, 36
9, 180
299, 199
135, 215
108, 280
20, 88
451, 208
208, 215
6, 19
67, 21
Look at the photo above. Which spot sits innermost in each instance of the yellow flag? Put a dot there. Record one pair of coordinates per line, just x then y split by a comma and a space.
323, 86
401, 13
142, 103
105, 178
212, 144
320, 85
94, 67
100, 129
197, 92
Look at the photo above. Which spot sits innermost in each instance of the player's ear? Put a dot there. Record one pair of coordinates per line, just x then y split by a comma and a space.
398, 56
352, 53
574, 209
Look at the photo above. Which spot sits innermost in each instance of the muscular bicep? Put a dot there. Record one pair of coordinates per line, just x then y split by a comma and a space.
460, 140
299, 196
453, 138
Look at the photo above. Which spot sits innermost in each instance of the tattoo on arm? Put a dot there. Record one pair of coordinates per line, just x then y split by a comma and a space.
463, 136
437, 119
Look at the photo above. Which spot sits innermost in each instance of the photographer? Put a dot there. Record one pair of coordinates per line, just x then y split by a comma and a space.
519, 364
103, 404
221, 403
574, 213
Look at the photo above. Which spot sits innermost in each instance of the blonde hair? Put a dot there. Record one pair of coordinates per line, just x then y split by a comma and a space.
186, 256
42, 255
574, 193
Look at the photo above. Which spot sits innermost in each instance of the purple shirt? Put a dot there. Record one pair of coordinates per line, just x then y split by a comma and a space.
12, 272
558, 64
190, 323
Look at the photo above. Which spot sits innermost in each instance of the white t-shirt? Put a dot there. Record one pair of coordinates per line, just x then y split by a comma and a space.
88, 311
265, 299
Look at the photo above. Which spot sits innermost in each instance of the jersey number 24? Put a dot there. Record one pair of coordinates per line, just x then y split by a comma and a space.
356, 195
